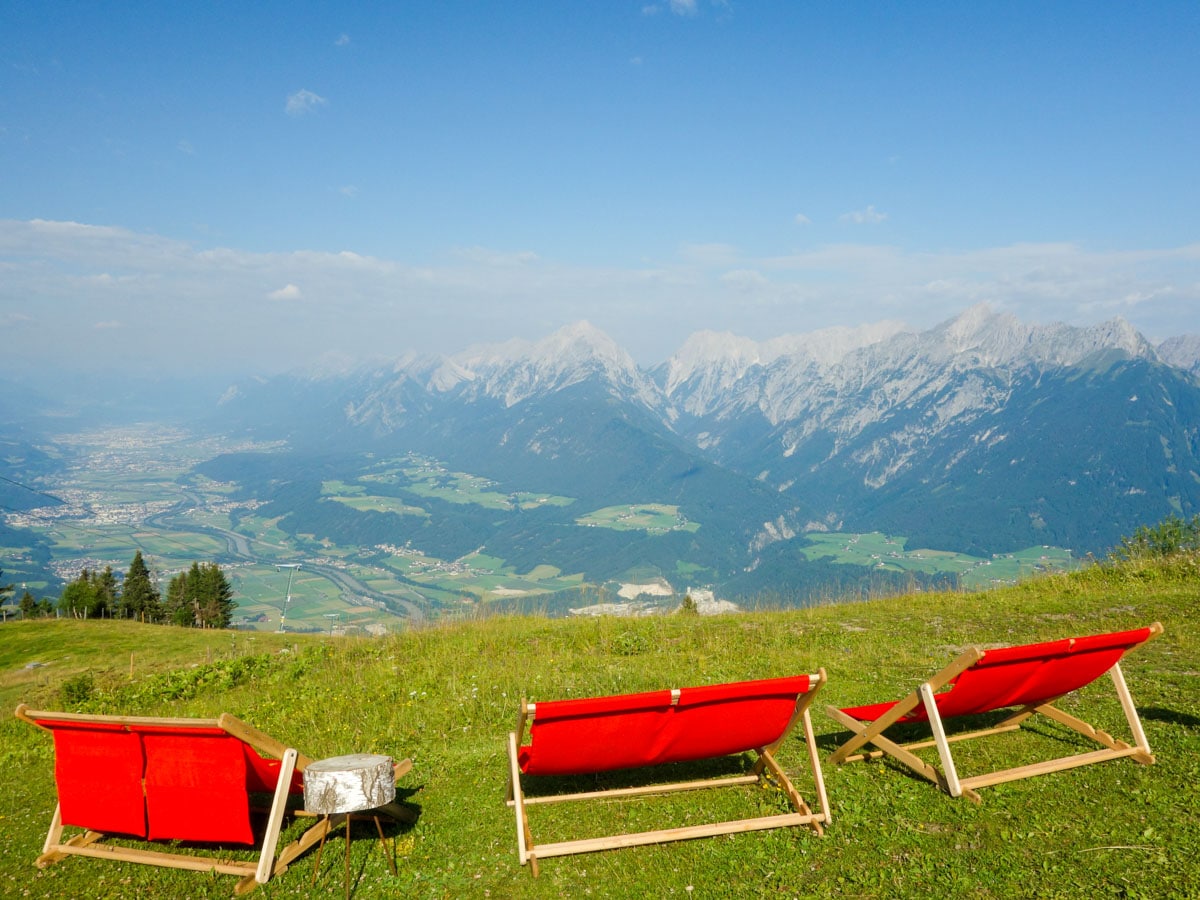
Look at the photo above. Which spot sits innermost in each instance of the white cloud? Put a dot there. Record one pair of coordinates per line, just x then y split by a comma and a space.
348, 190
868, 216
343, 40
110, 325
802, 219
678, 7
287, 292
303, 102
185, 146
710, 254
74, 275
745, 278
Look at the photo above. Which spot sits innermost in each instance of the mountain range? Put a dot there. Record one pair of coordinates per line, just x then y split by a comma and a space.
981, 435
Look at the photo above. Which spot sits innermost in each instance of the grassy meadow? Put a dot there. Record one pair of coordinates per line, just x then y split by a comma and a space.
971, 572
447, 694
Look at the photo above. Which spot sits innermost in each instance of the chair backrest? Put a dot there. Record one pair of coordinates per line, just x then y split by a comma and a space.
1035, 673
98, 770
599, 734
187, 780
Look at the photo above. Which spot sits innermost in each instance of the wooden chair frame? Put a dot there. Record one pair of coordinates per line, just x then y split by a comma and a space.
91, 843
947, 777
765, 766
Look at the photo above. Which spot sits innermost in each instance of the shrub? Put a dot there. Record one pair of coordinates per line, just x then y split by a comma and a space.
1172, 535
78, 689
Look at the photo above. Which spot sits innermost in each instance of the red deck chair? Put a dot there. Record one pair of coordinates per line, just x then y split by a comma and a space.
1029, 678
602, 734
170, 779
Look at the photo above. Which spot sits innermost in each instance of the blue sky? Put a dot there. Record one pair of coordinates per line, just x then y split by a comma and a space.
253, 187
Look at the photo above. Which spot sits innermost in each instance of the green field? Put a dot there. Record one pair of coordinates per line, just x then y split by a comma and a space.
887, 552
428, 478
356, 497
652, 518
479, 577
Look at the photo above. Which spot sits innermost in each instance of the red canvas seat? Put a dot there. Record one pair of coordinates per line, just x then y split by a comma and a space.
1029, 678
629, 731
114, 803
170, 779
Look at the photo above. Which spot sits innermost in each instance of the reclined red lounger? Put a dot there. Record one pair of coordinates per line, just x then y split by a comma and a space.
602, 734
1030, 678
170, 779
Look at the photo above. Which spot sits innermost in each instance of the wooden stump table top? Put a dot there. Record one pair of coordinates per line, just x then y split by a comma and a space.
351, 783
341, 785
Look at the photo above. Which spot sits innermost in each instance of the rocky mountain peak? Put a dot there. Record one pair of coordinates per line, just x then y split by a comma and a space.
1182, 351
517, 370
711, 352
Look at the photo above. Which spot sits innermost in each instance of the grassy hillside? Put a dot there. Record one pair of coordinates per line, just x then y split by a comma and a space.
447, 696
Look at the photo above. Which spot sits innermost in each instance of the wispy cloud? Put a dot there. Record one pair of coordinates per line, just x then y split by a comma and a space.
343, 40
348, 190
110, 325
802, 219
75, 275
287, 292
710, 254
676, 7
744, 278
185, 146
303, 102
868, 216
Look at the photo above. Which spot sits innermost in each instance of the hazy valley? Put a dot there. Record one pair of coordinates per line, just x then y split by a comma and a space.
558, 475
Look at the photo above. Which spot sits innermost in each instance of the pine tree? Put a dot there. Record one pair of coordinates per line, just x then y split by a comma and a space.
215, 597
140, 598
201, 597
178, 609
107, 590
28, 606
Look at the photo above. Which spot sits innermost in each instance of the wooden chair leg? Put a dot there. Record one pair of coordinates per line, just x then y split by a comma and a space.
524, 838
939, 735
1146, 756
266, 858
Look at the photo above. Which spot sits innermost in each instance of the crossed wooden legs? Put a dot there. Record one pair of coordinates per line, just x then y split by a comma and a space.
947, 776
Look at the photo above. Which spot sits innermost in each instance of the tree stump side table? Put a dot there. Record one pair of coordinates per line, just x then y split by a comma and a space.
342, 785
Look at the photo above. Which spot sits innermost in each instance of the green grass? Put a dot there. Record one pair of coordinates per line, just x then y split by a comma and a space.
888, 552
447, 695
429, 478
653, 518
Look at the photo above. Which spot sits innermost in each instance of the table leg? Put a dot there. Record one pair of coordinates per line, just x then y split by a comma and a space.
383, 841
320, 847
347, 857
